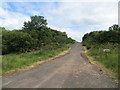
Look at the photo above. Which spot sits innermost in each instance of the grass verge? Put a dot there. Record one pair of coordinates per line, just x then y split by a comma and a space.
109, 63
19, 62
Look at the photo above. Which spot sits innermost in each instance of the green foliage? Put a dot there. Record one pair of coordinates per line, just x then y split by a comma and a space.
96, 41
35, 35
21, 60
15, 41
111, 60
37, 22
33, 43
1, 28
100, 37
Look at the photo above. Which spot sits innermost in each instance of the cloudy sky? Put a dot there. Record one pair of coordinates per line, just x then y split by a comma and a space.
73, 17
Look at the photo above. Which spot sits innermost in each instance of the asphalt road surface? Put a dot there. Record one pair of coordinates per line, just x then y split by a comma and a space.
69, 71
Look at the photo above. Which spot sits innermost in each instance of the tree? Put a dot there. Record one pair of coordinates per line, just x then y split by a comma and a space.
36, 23
114, 27
15, 41
35, 35
101, 37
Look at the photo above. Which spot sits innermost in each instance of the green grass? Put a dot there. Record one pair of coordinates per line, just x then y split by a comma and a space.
15, 61
111, 61
0, 65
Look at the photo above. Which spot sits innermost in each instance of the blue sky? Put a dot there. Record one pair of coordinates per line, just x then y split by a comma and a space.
74, 18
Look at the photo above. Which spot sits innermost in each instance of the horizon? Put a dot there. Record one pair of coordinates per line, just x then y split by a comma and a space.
76, 19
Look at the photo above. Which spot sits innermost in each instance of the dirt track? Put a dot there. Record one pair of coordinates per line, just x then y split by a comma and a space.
69, 71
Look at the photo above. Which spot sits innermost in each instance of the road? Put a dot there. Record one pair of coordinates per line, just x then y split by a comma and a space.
68, 71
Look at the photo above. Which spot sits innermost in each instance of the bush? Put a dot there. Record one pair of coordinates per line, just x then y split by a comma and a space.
15, 41
35, 35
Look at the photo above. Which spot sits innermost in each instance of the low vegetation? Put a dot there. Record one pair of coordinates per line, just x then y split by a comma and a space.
34, 42
16, 61
97, 41
34, 35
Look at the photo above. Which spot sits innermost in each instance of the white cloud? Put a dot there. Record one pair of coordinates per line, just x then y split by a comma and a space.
86, 15
77, 35
60, 0
78, 12
90, 16
12, 20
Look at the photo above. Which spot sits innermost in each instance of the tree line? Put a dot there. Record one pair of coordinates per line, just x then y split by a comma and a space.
34, 35
112, 35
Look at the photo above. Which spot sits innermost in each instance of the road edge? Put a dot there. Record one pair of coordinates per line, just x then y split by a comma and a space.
99, 65
34, 65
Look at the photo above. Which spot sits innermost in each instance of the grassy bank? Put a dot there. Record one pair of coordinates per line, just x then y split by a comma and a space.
17, 61
110, 60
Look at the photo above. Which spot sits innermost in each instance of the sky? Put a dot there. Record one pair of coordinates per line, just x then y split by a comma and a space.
74, 17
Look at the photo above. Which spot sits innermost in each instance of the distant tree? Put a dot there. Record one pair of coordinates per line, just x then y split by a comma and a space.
114, 27
101, 37
35, 35
37, 22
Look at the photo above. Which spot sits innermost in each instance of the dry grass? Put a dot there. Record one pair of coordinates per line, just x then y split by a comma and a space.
36, 63
100, 65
